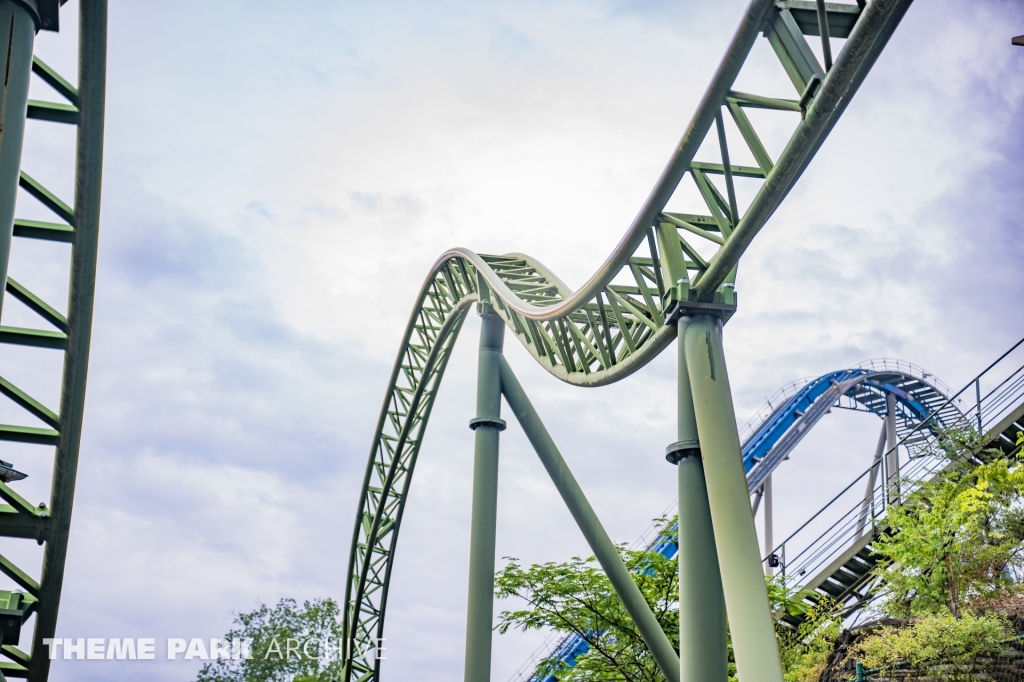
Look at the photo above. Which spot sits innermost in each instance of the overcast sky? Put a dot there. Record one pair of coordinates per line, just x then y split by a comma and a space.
280, 176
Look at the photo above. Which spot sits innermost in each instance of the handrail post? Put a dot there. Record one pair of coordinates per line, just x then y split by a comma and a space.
703, 651
746, 595
769, 522
487, 425
869, 494
977, 394
892, 452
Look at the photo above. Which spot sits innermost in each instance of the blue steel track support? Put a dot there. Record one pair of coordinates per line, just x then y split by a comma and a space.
703, 653
746, 597
487, 425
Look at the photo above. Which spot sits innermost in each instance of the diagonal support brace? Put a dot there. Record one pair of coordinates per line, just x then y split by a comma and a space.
607, 555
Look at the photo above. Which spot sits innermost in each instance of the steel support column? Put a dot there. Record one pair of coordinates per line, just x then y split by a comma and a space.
743, 584
703, 652
487, 425
607, 555
769, 539
869, 494
17, 33
892, 455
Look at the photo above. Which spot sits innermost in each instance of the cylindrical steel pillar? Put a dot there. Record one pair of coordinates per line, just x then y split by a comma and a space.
746, 596
487, 425
769, 536
703, 651
892, 455
17, 33
868, 504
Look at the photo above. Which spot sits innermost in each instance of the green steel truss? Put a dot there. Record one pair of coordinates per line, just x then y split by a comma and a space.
668, 264
72, 237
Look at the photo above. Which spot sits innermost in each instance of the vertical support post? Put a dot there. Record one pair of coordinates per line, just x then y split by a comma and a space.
703, 652
487, 425
826, 44
892, 455
17, 34
746, 596
869, 494
769, 541
977, 396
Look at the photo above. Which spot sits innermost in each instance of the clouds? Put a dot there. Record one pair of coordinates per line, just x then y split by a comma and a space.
280, 178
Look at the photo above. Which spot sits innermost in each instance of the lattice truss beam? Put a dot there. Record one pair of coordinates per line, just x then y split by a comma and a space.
46, 255
670, 262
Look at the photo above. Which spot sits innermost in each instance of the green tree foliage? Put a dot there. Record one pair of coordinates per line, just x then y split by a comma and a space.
938, 637
804, 652
957, 538
288, 643
576, 597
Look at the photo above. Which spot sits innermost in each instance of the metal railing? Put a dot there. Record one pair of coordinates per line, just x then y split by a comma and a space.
771, 404
904, 367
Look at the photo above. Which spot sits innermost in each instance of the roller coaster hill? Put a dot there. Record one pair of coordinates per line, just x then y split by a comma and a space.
672, 277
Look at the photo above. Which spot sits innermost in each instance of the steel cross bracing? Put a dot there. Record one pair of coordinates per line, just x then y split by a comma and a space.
666, 265
68, 239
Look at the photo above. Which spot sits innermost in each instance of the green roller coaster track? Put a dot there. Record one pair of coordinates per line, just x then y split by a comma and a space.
672, 274
59, 334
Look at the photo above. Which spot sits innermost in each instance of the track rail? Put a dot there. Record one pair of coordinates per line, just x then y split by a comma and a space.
58, 335
667, 264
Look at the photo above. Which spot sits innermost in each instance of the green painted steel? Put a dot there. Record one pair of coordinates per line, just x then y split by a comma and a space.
667, 265
703, 652
487, 425
746, 597
68, 331
602, 546
17, 34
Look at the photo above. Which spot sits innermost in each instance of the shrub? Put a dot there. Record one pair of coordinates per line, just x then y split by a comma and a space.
937, 638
